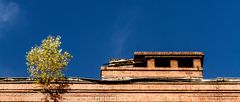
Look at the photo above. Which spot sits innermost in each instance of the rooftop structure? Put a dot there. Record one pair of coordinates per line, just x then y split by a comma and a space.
155, 65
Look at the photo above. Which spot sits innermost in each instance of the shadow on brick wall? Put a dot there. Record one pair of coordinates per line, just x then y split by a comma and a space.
55, 91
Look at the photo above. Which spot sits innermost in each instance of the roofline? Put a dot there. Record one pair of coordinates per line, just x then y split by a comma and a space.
169, 53
26, 80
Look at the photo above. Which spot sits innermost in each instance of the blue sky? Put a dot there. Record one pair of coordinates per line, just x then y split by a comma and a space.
95, 30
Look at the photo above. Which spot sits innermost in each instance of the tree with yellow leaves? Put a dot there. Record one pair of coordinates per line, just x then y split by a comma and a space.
46, 62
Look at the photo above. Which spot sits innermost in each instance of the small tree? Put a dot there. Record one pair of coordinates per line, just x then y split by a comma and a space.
46, 62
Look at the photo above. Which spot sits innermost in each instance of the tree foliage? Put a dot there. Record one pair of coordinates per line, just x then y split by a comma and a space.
46, 62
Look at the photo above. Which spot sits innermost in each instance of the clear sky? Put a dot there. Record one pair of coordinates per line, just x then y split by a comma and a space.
95, 30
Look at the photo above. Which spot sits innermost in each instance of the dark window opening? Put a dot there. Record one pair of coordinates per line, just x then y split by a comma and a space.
185, 62
162, 62
140, 63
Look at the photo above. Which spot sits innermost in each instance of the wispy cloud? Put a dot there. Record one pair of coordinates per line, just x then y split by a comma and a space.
8, 13
123, 28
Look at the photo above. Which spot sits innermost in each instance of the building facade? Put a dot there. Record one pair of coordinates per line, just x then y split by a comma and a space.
149, 76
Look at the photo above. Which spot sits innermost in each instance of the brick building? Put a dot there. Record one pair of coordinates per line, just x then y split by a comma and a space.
149, 76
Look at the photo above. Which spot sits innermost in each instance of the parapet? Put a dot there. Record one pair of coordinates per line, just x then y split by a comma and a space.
185, 65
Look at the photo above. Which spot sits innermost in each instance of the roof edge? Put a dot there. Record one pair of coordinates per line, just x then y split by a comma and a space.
168, 53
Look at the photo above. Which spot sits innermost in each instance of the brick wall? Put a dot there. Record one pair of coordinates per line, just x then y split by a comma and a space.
137, 91
138, 72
